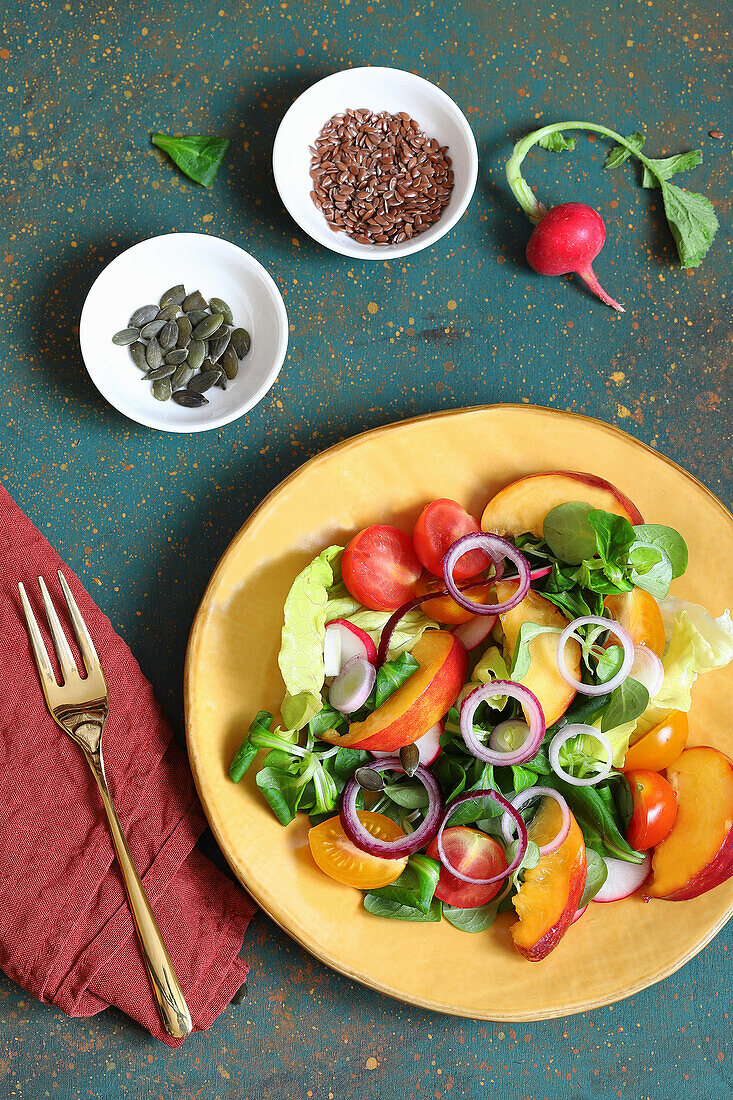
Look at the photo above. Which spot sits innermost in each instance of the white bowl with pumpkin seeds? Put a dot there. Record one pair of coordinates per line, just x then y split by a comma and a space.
216, 269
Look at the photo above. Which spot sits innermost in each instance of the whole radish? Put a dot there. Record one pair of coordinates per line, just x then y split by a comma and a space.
566, 241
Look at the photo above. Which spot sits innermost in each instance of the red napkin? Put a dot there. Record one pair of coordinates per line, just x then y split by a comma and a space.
66, 933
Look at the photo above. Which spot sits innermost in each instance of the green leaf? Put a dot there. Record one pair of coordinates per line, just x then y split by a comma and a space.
283, 792
346, 761
609, 663
328, 718
243, 758
391, 676
522, 778
393, 910
472, 920
651, 570
614, 536
589, 808
627, 702
199, 157
414, 889
666, 539
666, 167
303, 634
411, 796
527, 632
618, 154
596, 873
557, 143
692, 222
568, 533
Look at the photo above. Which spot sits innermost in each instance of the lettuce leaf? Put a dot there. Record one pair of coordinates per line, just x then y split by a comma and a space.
697, 643
411, 627
301, 650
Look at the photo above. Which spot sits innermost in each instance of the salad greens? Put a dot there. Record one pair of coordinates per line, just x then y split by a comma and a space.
198, 156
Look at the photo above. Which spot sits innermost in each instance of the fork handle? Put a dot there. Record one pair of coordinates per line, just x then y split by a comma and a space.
171, 1004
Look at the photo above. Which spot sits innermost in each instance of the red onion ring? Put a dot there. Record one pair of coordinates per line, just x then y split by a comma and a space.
389, 627
532, 710
647, 669
468, 796
579, 729
529, 795
497, 549
615, 628
403, 846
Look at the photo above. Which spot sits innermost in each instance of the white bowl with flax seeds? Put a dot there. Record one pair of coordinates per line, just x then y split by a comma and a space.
375, 162
138, 277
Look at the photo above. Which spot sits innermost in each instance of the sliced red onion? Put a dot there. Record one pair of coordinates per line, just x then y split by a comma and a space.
615, 628
497, 549
579, 729
476, 630
522, 799
404, 845
532, 710
351, 688
389, 627
332, 652
647, 669
469, 796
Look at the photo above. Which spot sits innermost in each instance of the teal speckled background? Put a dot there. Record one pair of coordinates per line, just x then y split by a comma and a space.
143, 517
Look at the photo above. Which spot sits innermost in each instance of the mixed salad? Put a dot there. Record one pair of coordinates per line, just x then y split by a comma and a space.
480, 716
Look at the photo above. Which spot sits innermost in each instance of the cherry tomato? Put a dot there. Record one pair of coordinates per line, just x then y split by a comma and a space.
661, 746
444, 609
379, 567
475, 854
340, 859
437, 528
655, 808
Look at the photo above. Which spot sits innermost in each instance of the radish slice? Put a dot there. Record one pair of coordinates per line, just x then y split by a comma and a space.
332, 652
647, 669
475, 631
354, 641
579, 729
615, 628
623, 879
579, 914
353, 685
428, 746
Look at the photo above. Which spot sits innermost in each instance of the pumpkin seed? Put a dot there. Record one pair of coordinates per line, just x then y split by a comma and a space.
137, 352
162, 389
168, 313
165, 370
173, 297
142, 315
369, 779
228, 360
410, 758
222, 383
190, 400
194, 301
127, 336
152, 329
185, 328
241, 342
217, 346
182, 376
196, 353
195, 316
200, 383
205, 328
176, 356
218, 305
168, 336
153, 354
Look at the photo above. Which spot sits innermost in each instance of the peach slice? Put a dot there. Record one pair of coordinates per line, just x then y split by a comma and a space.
638, 612
698, 853
416, 706
543, 676
523, 505
547, 901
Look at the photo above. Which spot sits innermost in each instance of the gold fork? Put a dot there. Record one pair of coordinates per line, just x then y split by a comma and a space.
79, 706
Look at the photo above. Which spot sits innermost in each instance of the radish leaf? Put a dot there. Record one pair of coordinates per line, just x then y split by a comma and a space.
556, 143
666, 167
692, 222
618, 155
198, 156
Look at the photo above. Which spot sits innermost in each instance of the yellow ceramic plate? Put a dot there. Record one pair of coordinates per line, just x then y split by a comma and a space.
386, 476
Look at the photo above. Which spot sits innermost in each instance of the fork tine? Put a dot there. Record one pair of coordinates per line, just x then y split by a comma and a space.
45, 671
83, 637
63, 650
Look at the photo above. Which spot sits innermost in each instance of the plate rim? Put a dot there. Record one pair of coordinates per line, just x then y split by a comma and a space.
203, 612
